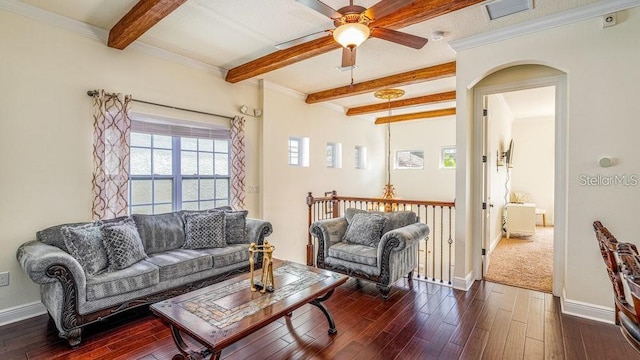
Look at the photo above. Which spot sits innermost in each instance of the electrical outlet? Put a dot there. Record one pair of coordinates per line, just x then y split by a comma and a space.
4, 278
253, 189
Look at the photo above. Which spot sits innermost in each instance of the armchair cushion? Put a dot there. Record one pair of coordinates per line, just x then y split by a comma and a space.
395, 219
360, 254
85, 245
365, 229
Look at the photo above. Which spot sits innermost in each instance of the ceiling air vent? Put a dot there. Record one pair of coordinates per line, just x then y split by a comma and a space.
499, 8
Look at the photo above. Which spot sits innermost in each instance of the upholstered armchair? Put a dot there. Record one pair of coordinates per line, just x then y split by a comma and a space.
379, 247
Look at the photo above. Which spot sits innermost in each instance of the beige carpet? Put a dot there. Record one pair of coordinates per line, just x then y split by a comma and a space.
525, 262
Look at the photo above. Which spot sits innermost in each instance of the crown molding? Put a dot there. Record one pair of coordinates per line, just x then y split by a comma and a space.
547, 22
101, 35
266, 84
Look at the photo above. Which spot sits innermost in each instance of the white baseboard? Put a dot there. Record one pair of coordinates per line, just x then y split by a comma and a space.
587, 311
21, 312
495, 242
463, 284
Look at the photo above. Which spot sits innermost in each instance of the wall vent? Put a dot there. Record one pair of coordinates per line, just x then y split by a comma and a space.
499, 8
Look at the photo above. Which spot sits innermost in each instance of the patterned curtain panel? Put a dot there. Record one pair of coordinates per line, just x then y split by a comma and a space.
111, 132
237, 163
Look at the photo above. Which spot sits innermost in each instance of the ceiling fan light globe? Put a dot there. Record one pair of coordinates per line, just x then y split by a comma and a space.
351, 35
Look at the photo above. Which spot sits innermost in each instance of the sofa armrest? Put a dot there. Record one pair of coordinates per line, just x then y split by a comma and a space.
328, 232
36, 258
257, 230
404, 235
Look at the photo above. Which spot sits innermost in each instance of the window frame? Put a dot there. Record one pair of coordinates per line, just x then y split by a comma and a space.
360, 157
298, 156
332, 159
396, 160
443, 151
177, 178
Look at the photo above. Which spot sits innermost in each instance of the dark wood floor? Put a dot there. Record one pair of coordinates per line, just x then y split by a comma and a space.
491, 321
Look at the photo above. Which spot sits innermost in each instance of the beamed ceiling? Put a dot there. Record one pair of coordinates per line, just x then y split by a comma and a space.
239, 37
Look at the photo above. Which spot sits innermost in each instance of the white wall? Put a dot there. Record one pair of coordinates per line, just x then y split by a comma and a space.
429, 135
46, 126
602, 75
534, 159
285, 187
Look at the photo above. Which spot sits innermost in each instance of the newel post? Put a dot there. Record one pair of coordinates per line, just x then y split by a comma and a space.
309, 221
335, 204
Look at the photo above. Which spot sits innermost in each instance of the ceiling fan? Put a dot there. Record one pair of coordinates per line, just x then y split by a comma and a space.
354, 24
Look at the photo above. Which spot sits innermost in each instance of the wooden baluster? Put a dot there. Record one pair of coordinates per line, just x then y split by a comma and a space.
310, 260
441, 243
450, 241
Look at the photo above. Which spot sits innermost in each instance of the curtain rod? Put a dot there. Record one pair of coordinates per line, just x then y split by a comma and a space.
91, 93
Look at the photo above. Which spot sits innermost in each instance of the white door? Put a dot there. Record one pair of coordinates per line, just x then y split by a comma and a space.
486, 188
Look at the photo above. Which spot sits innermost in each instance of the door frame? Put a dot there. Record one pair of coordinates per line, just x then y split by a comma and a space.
561, 171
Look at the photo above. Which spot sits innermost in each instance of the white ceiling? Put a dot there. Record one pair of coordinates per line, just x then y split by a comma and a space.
228, 33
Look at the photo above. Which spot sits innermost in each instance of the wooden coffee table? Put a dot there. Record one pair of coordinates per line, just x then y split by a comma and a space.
221, 314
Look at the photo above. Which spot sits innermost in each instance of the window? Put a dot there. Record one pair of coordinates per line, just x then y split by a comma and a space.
334, 155
171, 173
361, 157
295, 151
409, 159
448, 157
299, 151
331, 155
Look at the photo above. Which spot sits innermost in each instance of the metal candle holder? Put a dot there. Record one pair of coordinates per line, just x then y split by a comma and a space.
266, 283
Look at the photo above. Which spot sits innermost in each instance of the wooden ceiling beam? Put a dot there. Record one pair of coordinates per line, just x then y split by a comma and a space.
282, 58
416, 116
407, 78
419, 11
142, 17
420, 100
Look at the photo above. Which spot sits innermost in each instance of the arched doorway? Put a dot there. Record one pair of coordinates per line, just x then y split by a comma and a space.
515, 78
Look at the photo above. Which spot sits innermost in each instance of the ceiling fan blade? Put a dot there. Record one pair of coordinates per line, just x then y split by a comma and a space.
386, 7
303, 39
348, 57
398, 37
321, 7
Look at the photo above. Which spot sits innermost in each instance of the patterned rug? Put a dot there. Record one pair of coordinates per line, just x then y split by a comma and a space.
206, 307
525, 262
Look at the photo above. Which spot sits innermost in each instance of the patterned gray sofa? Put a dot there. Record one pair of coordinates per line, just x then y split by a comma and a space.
376, 246
80, 286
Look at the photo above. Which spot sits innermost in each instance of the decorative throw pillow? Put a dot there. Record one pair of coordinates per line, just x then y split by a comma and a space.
204, 230
122, 244
349, 212
518, 197
85, 245
236, 226
365, 229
